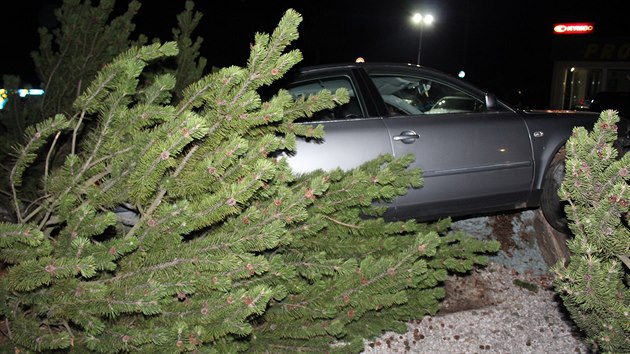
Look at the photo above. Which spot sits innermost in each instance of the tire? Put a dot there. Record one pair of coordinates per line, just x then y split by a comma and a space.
550, 204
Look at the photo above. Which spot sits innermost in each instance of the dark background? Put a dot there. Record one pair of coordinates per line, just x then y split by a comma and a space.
503, 46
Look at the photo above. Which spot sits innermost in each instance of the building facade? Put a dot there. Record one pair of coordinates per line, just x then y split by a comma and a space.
585, 64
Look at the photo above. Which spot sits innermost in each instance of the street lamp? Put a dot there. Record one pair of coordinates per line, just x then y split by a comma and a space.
421, 20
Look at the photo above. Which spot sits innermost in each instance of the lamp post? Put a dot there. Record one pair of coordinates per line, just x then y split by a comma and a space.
421, 20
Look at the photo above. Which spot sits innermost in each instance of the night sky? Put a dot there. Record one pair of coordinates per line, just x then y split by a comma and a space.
503, 46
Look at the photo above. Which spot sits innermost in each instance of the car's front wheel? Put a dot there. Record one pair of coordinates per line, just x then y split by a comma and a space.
550, 203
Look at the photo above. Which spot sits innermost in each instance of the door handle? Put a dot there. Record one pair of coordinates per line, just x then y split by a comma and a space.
406, 137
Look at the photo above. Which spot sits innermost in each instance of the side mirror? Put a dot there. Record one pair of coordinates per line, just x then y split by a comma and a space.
491, 101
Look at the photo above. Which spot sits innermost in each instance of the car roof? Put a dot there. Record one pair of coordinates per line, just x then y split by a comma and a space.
400, 68
370, 66
387, 67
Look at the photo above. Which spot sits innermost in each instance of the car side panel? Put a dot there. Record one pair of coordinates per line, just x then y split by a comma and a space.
346, 144
469, 161
550, 131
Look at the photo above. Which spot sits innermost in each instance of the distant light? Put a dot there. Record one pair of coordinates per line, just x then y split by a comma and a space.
4, 94
574, 28
32, 92
461, 74
572, 69
360, 60
3, 97
418, 18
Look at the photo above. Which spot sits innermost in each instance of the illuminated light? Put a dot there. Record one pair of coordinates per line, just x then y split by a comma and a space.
574, 28
360, 60
502, 149
4, 94
419, 18
572, 69
3, 97
32, 92
461, 74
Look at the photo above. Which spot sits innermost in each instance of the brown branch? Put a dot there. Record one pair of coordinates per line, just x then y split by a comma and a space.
342, 223
50, 151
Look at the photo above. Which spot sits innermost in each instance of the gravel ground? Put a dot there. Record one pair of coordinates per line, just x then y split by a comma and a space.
506, 307
502, 318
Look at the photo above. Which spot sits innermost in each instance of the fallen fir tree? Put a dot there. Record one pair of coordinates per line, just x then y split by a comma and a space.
172, 228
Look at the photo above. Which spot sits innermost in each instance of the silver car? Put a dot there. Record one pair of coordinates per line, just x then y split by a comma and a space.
477, 154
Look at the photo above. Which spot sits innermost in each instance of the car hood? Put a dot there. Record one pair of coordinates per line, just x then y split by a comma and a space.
559, 113
555, 111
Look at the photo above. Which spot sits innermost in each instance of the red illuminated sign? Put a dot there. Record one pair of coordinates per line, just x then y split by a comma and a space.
573, 28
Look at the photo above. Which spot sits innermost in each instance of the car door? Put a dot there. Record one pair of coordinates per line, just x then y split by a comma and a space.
351, 137
472, 158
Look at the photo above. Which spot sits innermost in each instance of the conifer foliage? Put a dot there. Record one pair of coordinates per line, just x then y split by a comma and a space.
594, 285
88, 36
174, 228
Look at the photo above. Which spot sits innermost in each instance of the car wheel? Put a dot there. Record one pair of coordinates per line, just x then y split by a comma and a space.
550, 203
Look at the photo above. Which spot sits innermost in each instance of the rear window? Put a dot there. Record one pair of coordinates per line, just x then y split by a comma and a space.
350, 110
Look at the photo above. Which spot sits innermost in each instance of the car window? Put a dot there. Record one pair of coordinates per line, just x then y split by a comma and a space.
352, 109
404, 95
